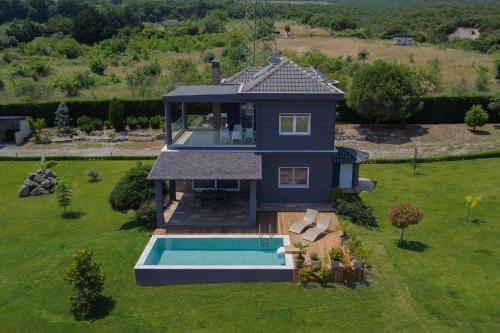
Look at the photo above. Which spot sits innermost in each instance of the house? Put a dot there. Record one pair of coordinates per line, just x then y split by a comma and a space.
266, 142
403, 40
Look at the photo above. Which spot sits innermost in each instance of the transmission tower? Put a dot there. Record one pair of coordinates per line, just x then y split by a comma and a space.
258, 33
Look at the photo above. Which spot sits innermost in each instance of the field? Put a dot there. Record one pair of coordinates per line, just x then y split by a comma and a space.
453, 63
445, 282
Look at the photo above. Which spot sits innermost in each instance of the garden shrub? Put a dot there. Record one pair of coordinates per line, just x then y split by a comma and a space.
85, 80
117, 115
69, 86
63, 119
97, 66
476, 117
351, 206
155, 122
93, 175
88, 124
143, 122
146, 214
132, 123
132, 190
87, 278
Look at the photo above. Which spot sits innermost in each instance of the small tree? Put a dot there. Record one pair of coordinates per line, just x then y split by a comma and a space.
87, 279
363, 54
476, 117
116, 115
63, 191
471, 201
403, 215
36, 127
93, 175
414, 160
287, 30
63, 119
385, 91
97, 66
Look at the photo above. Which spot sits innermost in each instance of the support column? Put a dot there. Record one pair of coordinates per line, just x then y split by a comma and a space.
184, 115
172, 190
253, 202
160, 219
168, 123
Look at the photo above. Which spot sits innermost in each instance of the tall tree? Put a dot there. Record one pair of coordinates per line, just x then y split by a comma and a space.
385, 91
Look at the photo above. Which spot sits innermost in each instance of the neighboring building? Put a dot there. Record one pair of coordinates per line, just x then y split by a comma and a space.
402, 40
13, 129
270, 135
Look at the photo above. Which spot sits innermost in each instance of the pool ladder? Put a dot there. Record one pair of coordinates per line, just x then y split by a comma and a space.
262, 240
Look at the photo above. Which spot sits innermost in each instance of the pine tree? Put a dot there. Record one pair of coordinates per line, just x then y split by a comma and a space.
63, 119
63, 191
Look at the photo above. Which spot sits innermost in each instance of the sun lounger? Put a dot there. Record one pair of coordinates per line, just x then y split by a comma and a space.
299, 226
322, 226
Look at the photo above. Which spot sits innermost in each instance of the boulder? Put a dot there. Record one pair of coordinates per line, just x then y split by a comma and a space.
46, 184
24, 191
39, 191
50, 174
31, 184
31, 176
39, 178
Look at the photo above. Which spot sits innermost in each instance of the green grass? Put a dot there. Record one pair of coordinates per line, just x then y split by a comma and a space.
448, 287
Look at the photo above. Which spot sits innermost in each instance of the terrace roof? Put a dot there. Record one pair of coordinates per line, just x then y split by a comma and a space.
189, 165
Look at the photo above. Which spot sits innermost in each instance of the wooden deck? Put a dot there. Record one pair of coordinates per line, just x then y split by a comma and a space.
280, 222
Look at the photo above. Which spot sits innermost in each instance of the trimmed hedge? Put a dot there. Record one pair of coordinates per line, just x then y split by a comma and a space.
437, 109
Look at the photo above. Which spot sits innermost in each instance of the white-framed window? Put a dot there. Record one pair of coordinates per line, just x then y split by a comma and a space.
295, 123
293, 177
211, 184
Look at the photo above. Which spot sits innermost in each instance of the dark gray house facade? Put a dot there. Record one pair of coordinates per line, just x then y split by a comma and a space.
270, 133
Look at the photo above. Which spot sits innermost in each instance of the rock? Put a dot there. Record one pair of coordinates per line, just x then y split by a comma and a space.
46, 184
39, 191
50, 174
39, 178
31, 184
24, 191
31, 176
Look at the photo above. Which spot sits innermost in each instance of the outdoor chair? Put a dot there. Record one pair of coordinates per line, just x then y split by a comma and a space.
321, 227
308, 219
236, 136
224, 135
248, 135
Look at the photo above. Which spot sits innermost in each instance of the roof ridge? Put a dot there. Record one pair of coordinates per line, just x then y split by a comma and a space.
261, 78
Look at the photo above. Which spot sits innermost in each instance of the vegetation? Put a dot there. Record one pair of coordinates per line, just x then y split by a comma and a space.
476, 117
87, 279
93, 175
62, 118
117, 115
385, 91
132, 190
425, 288
36, 127
404, 215
63, 191
471, 202
89, 125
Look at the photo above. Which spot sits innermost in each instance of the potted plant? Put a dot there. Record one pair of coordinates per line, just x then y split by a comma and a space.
357, 262
299, 259
335, 257
315, 261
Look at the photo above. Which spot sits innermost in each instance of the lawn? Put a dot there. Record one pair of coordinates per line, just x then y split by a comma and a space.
446, 286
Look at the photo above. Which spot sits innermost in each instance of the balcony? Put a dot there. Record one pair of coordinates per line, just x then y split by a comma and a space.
199, 131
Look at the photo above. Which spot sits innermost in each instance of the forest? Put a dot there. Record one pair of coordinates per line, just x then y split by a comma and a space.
93, 49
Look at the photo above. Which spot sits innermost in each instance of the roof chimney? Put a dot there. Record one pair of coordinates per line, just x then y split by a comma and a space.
275, 57
215, 71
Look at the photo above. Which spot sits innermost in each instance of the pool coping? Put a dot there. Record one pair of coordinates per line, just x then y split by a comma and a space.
145, 253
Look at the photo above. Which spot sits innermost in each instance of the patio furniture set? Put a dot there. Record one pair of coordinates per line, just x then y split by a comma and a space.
243, 135
321, 226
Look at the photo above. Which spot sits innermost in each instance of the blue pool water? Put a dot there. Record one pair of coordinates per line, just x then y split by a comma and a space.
215, 251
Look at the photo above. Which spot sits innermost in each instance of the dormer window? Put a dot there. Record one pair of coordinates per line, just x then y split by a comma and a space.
295, 123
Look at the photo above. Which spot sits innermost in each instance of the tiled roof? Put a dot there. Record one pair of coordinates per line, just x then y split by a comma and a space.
188, 165
283, 76
349, 156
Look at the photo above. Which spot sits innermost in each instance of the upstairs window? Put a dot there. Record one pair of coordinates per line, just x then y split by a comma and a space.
293, 177
295, 123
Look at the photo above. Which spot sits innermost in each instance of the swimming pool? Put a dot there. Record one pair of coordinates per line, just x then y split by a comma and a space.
213, 258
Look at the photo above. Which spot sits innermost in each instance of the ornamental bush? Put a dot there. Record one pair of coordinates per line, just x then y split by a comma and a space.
132, 190
403, 215
132, 123
146, 214
143, 122
155, 122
